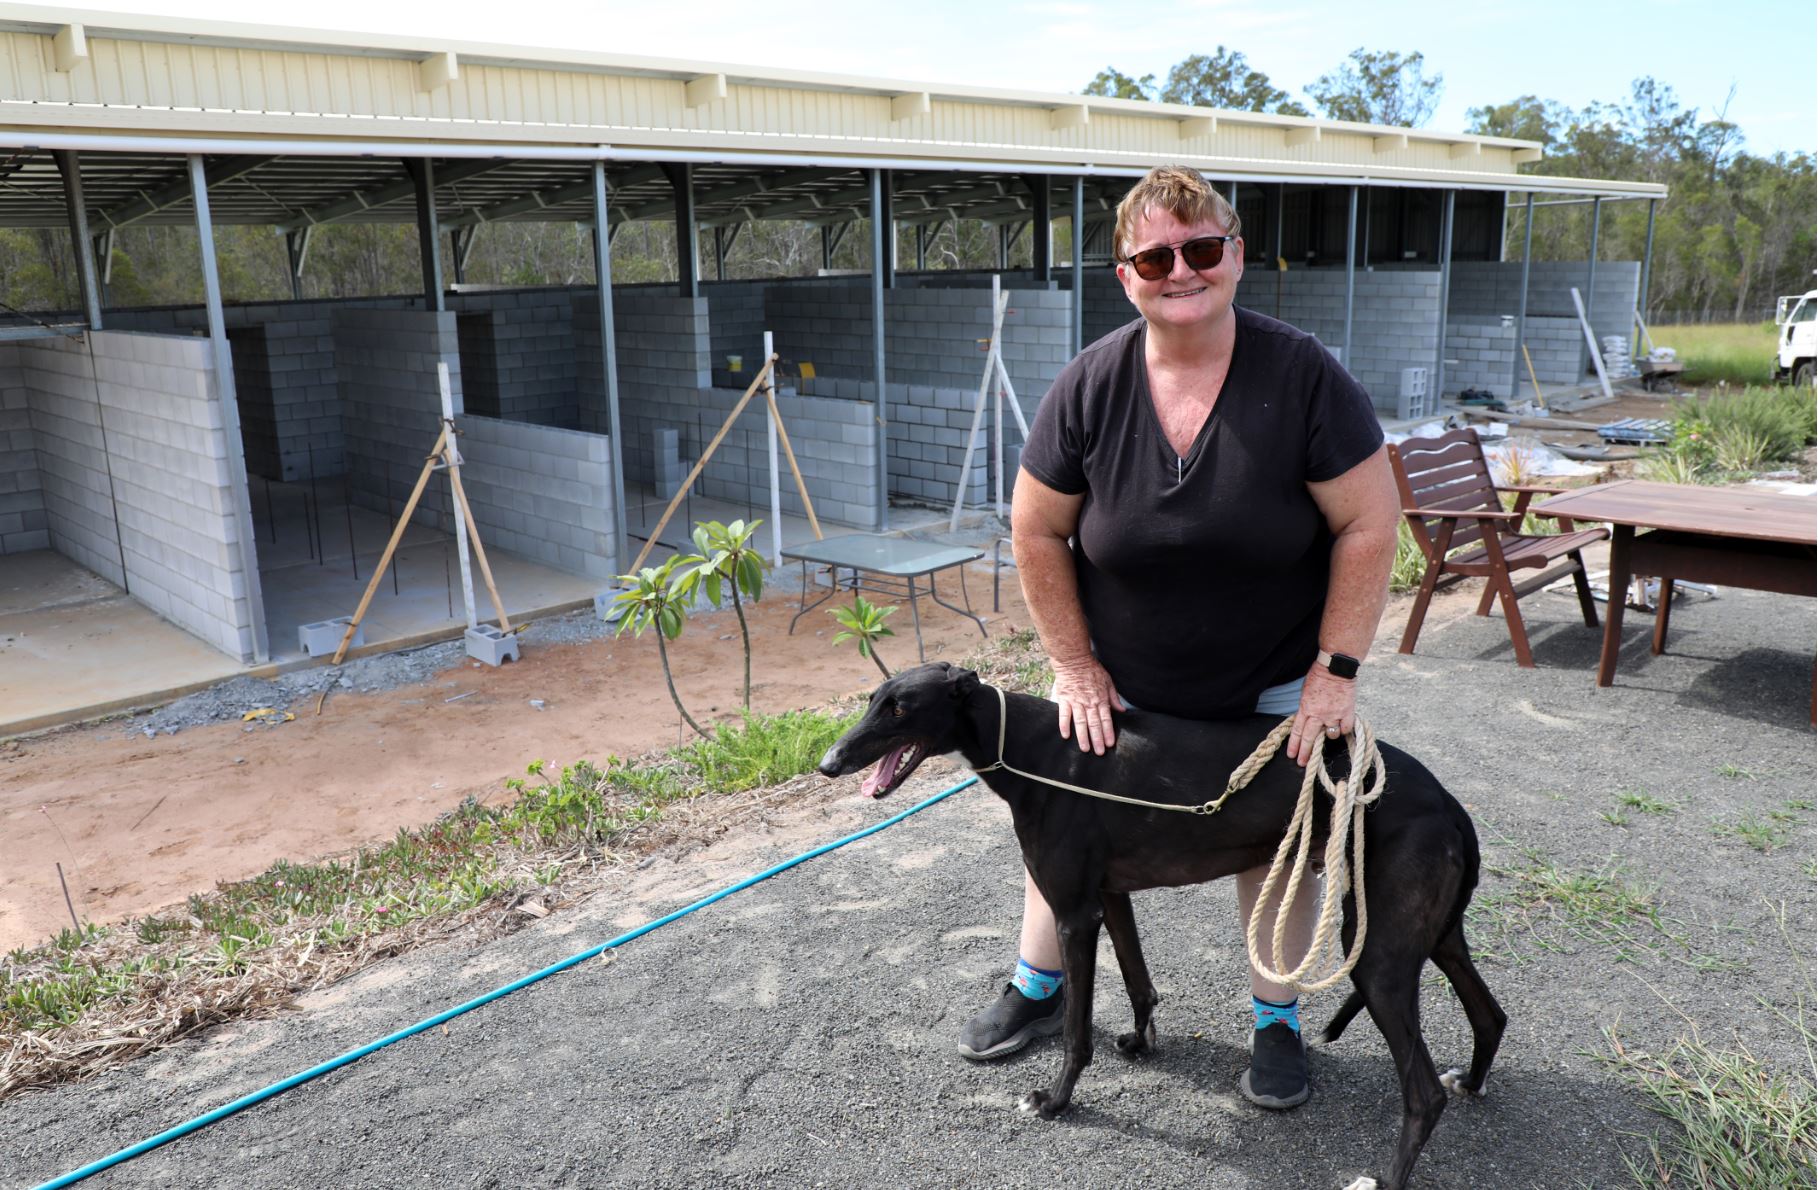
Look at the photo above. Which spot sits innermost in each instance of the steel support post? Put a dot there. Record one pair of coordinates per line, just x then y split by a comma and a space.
886, 185
1521, 300
1350, 276
1041, 230
609, 363
1436, 389
429, 232
687, 229
1647, 261
296, 254
880, 219
70, 166
1281, 205
1076, 321
1590, 279
230, 412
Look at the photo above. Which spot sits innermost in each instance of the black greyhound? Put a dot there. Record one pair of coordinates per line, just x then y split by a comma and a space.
1088, 855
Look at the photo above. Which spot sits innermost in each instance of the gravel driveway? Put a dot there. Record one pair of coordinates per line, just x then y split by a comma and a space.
802, 1033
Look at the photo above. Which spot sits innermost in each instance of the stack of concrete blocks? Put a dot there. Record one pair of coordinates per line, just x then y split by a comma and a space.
142, 432
1413, 399
668, 467
526, 350
391, 401
540, 492
24, 524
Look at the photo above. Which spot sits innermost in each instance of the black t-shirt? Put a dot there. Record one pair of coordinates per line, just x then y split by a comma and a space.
1203, 578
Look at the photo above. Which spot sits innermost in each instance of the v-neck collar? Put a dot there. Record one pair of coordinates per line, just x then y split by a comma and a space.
1147, 396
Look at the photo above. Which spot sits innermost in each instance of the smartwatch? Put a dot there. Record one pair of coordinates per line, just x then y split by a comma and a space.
1339, 665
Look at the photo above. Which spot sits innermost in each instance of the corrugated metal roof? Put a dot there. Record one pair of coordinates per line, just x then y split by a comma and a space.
73, 78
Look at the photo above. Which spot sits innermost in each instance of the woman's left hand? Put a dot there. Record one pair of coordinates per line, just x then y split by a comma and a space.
1325, 702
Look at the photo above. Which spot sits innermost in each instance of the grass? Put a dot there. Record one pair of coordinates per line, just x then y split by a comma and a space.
1639, 801
1739, 1124
1549, 906
1733, 353
1731, 434
92, 998
1762, 834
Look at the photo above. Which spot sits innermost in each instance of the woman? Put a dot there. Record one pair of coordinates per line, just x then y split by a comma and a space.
1204, 522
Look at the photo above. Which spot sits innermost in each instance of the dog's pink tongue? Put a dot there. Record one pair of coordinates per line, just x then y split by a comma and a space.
886, 768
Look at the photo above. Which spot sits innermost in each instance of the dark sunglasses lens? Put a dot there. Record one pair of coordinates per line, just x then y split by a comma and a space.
1153, 264
1203, 254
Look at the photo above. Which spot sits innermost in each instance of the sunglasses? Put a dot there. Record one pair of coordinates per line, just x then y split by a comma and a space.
1206, 252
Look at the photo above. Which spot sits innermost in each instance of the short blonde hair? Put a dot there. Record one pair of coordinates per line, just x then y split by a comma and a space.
1182, 192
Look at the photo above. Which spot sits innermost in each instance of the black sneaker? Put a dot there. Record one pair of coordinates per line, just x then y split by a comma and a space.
1011, 1023
1277, 1078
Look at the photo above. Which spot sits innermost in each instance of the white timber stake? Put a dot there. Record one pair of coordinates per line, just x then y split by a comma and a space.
776, 486
992, 366
1590, 337
452, 459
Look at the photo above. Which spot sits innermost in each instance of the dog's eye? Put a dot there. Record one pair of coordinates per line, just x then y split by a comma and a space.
897, 710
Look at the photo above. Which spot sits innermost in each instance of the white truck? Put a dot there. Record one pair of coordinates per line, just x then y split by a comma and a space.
1796, 338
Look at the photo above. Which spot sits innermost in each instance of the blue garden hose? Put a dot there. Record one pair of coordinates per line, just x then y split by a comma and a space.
354, 1055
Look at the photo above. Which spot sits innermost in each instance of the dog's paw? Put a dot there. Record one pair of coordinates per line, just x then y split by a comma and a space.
1140, 1042
1041, 1103
1364, 1183
1454, 1082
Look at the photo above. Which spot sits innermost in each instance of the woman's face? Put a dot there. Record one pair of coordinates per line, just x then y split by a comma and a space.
1184, 298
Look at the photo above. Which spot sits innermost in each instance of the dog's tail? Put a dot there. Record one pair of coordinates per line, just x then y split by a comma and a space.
1354, 1004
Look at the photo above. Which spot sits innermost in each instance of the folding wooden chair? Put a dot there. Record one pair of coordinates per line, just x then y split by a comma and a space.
1451, 502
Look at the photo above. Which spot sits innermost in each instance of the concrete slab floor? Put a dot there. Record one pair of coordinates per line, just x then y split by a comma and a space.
73, 645
309, 571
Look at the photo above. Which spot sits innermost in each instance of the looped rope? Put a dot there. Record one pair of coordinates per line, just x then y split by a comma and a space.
1344, 845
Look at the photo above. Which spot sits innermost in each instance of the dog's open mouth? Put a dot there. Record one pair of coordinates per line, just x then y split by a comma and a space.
894, 768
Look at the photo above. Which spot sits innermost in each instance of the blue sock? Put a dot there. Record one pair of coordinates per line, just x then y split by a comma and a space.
1035, 983
1269, 1013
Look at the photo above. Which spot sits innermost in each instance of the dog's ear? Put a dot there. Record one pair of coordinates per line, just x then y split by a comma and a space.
961, 683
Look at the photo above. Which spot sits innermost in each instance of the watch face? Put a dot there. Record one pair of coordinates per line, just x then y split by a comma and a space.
1342, 666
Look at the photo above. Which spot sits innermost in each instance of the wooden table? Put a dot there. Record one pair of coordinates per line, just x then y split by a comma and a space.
893, 564
1733, 537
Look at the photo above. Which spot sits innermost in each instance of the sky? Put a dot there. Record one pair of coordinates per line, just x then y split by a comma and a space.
1573, 51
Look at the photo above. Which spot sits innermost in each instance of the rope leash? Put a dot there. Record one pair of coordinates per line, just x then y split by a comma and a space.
1344, 845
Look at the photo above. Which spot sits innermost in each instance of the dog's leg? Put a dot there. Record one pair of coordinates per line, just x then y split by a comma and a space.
1453, 957
1120, 923
1079, 950
1391, 989
1336, 1026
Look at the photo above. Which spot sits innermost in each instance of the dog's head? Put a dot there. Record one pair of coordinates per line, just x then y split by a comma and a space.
912, 716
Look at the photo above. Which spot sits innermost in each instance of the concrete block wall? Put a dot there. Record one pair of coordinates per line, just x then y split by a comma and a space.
929, 427
1484, 288
1479, 355
24, 524
931, 332
529, 358
302, 377
67, 422
735, 319
660, 341
385, 361
835, 442
166, 447
1394, 321
541, 492
252, 388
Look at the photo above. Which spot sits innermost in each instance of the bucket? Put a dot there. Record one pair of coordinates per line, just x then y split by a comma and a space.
735, 363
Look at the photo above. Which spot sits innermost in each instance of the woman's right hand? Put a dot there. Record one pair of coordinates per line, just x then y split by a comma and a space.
1086, 698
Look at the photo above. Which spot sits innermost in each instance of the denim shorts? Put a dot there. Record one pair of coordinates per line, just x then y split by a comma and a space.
1276, 700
